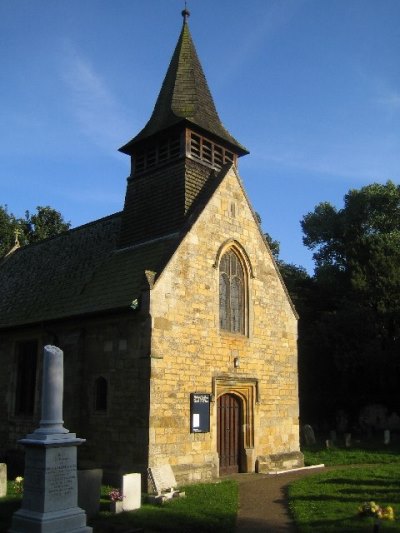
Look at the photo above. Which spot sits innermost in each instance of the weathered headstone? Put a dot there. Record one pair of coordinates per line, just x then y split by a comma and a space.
162, 477
3, 480
386, 436
347, 440
89, 490
50, 499
164, 483
309, 436
131, 490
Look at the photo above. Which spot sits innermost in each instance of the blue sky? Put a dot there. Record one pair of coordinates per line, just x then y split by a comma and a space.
310, 87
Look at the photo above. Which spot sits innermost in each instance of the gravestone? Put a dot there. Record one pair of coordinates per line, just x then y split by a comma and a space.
3, 480
347, 440
50, 498
131, 490
164, 483
386, 436
309, 435
89, 490
162, 477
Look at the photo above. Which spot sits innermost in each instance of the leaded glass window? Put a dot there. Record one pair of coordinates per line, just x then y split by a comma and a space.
231, 293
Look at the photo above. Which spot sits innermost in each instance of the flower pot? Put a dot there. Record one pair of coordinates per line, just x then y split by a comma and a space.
116, 507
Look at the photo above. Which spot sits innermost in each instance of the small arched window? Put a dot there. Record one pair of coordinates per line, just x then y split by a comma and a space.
100, 394
232, 300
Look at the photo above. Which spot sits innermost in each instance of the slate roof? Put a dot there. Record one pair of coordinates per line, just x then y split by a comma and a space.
185, 98
75, 273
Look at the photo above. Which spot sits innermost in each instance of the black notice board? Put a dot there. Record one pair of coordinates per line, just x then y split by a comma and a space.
199, 412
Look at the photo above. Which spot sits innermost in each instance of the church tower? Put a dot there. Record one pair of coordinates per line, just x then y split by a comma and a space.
178, 153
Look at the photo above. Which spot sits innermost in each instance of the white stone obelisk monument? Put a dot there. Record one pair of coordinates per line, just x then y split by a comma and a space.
50, 500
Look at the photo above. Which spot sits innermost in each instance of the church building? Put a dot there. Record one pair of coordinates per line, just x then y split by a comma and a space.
179, 336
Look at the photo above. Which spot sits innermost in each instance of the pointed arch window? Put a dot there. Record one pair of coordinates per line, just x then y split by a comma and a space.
232, 301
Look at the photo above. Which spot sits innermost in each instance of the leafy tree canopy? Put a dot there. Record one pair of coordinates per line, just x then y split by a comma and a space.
45, 222
354, 332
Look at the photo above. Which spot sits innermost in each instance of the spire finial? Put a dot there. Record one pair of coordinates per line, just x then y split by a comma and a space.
185, 14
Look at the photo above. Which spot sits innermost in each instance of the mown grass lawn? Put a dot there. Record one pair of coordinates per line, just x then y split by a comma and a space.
329, 502
207, 508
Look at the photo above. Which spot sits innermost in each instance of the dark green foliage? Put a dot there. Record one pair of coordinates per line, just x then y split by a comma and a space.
350, 342
8, 225
45, 222
273, 245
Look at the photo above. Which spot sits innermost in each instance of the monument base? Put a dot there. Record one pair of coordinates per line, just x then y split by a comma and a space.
69, 520
50, 500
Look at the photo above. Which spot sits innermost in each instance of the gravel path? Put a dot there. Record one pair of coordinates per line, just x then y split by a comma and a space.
263, 506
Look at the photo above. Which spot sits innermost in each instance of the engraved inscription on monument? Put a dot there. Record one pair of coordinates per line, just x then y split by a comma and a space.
61, 476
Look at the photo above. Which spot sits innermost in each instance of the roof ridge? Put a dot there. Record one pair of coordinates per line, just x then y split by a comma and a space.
67, 232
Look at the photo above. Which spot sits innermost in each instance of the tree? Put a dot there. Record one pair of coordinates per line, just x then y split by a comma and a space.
352, 342
8, 225
45, 222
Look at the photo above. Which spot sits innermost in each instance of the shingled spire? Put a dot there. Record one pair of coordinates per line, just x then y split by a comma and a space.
185, 97
178, 151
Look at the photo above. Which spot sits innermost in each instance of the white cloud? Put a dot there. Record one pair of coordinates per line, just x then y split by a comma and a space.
98, 113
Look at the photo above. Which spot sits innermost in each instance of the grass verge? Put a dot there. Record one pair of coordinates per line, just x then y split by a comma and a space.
365, 453
329, 502
208, 507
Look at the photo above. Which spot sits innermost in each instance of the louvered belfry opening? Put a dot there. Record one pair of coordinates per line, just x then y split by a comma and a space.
177, 153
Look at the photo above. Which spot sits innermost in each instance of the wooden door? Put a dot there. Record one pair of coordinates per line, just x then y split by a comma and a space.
229, 433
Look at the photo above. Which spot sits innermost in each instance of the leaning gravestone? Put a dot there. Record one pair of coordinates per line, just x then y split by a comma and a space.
164, 483
3, 480
386, 436
309, 435
50, 500
131, 490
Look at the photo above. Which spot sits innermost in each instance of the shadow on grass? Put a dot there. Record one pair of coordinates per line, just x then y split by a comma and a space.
168, 517
8, 506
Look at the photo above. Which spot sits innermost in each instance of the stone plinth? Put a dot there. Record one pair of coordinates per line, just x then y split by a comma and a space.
50, 500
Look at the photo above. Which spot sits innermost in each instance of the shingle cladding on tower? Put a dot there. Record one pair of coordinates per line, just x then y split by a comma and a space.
185, 97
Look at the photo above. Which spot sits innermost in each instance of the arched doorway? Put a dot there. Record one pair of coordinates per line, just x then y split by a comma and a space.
229, 438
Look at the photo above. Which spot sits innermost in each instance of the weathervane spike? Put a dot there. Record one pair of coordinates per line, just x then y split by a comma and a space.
185, 14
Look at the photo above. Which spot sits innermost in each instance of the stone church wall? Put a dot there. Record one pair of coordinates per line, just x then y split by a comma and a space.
108, 348
190, 353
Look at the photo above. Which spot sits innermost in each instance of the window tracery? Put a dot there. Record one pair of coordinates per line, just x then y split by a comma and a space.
232, 300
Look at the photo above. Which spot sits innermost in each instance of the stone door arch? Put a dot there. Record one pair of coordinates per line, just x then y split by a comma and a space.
236, 400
